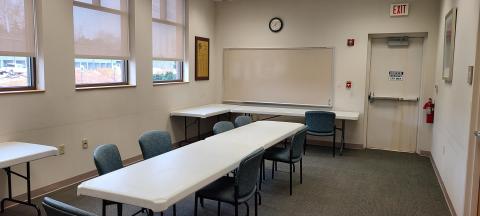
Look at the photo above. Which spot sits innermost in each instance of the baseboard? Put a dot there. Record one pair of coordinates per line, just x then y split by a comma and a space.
67, 182
329, 144
440, 181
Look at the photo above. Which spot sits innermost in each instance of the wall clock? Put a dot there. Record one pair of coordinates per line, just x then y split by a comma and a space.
276, 24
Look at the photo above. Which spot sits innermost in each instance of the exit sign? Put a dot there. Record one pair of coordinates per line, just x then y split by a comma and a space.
399, 9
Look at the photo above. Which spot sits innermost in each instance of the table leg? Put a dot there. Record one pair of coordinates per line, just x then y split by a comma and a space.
10, 196
343, 137
186, 138
198, 128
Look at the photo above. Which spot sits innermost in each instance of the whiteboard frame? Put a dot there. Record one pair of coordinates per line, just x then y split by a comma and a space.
332, 97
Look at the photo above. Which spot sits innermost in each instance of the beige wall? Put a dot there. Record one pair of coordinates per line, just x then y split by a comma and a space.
453, 102
310, 23
62, 115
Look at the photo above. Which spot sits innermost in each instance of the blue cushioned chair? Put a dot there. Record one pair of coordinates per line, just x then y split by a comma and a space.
55, 208
291, 155
154, 143
107, 159
321, 123
222, 126
242, 120
236, 190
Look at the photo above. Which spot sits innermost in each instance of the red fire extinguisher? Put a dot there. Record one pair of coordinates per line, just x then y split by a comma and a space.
429, 108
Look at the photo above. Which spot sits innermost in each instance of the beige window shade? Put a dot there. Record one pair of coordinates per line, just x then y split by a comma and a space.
101, 28
168, 29
17, 31
302, 76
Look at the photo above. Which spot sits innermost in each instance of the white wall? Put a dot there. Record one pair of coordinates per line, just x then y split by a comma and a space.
62, 115
310, 23
453, 102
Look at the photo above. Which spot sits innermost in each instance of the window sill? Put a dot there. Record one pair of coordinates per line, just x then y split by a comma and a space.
104, 87
171, 83
22, 92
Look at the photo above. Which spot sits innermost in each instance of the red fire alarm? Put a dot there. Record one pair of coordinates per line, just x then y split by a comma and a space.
348, 84
351, 42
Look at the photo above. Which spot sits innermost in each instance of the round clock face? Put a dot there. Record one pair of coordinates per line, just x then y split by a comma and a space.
276, 24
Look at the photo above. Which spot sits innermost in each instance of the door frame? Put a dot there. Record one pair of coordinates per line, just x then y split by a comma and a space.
423, 35
472, 190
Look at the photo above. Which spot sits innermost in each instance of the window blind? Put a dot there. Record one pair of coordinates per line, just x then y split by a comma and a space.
101, 29
168, 29
17, 30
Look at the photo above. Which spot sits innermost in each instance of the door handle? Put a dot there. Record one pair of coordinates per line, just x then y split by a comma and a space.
476, 133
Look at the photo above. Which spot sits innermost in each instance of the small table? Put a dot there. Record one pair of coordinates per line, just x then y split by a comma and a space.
14, 153
201, 112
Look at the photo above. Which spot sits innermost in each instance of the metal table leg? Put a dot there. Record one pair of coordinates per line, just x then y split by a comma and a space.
343, 137
198, 128
186, 138
10, 197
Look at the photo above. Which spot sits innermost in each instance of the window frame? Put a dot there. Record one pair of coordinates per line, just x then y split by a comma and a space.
126, 76
181, 71
182, 61
96, 5
32, 62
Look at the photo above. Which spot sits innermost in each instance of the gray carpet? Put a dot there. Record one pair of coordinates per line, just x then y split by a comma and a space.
362, 182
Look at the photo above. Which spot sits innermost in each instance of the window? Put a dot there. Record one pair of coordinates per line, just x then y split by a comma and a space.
101, 42
168, 27
17, 45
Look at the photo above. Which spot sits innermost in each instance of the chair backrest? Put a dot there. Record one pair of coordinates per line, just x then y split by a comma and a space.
107, 158
320, 121
154, 143
55, 208
248, 173
222, 126
298, 140
242, 120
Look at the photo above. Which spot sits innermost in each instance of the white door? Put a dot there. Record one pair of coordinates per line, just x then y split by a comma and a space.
395, 78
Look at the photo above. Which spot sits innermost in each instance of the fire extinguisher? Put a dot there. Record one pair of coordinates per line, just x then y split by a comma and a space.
429, 108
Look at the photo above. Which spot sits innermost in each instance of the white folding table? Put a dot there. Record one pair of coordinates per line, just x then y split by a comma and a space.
162, 181
13, 153
201, 112
296, 112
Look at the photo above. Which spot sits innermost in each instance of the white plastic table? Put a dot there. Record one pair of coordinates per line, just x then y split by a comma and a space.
13, 153
201, 112
297, 112
160, 182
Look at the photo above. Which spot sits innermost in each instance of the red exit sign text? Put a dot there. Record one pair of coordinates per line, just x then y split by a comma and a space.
399, 10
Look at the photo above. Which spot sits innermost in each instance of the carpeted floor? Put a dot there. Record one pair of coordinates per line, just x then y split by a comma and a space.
362, 182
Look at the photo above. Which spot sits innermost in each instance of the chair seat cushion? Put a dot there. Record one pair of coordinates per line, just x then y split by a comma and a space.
313, 133
279, 154
222, 190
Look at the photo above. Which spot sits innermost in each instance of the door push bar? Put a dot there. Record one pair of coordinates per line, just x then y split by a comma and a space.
372, 98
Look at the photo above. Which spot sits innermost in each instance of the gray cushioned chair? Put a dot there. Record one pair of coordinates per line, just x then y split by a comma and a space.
107, 159
321, 123
222, 126
55, 208
236, 190
242, 120
291, 155
154, 143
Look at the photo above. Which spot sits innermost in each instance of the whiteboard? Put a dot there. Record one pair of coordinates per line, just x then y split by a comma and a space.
295, 76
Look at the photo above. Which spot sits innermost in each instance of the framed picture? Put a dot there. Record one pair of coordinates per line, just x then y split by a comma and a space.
449, 45
202, 58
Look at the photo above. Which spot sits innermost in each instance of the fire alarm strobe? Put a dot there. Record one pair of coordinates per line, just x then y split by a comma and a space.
351, 42
348, 84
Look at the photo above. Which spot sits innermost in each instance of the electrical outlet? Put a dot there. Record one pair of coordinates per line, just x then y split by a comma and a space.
61, 149
85, 143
